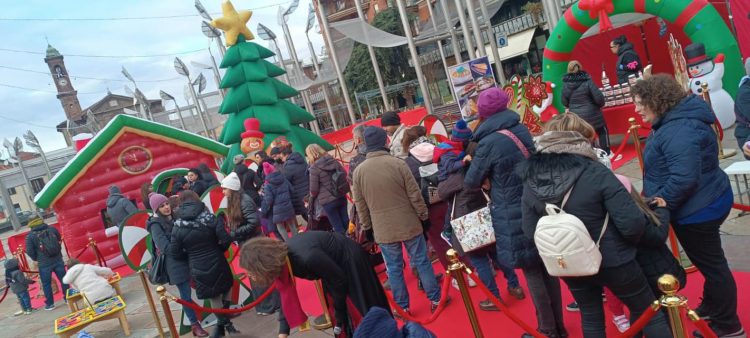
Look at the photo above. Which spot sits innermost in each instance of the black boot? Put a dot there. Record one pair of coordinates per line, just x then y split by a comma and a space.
228, 326
219, 331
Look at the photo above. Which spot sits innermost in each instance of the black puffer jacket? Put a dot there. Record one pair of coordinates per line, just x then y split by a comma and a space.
628, 62
583, 98
14, 278
654, 256
496, 158
250, 181
160, 229
35, 252
277, 198
199, 236
547, 177
295, 171
251, 227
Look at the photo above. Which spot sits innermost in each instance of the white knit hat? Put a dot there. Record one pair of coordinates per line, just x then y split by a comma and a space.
231, 182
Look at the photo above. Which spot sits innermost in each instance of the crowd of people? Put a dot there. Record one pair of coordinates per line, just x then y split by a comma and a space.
290, 216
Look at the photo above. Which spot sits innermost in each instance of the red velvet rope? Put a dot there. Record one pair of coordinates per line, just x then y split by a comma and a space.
28, 271
703, 327
741, 207
443, 300
354, 146
622, 145
81, 252
247, 307
640, 323
504, 309
100, 257
5, 293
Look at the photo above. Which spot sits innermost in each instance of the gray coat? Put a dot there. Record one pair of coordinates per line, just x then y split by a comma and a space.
321, 183
119, 208
17, 281
160, 229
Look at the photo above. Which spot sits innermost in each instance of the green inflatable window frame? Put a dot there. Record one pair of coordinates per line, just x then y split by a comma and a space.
697, 18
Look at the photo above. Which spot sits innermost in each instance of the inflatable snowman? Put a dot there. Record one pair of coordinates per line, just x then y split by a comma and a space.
703, 69
546, 111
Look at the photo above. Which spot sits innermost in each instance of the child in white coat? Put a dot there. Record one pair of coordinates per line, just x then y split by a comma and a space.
91, 280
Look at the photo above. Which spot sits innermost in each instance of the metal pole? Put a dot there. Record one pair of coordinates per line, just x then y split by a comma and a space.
440, 48
217, 75
222, 48
414, 56
197, 105
476, 28
26, 182
281, 62
454, 36
456, 270
11, 211
553, 14
669, 285
300, 72
493, 42
374, 60
332, 54
151, 305
465, 28
167, 311
209, 121
324, 85
179, 114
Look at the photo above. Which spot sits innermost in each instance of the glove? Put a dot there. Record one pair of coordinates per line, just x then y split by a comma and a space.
370, 235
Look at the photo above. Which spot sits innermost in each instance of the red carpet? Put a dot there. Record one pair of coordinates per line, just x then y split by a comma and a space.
453, 322
628, 153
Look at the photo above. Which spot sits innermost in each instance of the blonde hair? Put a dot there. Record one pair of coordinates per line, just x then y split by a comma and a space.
314, 152
574, 66
571, 122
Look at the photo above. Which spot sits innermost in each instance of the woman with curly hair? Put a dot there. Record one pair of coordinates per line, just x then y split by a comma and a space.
339, 262
681, 165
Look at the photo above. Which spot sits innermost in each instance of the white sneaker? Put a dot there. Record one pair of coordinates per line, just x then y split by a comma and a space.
622, 323
471, 282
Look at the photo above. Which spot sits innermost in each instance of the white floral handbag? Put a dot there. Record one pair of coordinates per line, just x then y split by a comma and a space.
474, 230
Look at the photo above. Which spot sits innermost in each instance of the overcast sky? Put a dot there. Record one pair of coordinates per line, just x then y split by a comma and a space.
40, 111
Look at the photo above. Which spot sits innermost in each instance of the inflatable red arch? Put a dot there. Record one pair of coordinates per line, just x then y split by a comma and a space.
697, 18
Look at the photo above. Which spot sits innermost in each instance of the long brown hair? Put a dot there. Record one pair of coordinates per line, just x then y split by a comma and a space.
145, 190
412, 134
188, 196
234, 209
264, 259
641, 203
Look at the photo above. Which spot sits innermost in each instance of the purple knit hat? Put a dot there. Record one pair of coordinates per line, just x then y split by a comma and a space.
492, 101
460, 132
155, 200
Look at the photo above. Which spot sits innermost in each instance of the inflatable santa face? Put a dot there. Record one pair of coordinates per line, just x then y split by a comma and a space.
705, 70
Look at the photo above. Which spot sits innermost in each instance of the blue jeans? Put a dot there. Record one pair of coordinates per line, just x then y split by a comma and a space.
186, 294
25, 300
510, 274
416, 248
483, 267
45, 274
337, 214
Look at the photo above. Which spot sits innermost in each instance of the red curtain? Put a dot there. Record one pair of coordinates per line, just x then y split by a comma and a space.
741, 16
593, 51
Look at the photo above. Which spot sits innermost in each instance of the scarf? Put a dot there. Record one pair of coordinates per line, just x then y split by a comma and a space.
290, 304
419, 141
566, 142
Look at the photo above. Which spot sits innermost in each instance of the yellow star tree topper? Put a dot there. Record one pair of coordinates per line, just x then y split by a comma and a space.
233, 23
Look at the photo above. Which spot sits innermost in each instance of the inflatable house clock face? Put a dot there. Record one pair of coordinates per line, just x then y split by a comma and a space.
135, 160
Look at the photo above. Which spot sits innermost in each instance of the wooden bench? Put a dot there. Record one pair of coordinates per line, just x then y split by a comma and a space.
111, 308
73, 296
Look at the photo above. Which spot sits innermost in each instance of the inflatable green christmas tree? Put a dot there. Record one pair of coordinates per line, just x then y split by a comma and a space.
254, 91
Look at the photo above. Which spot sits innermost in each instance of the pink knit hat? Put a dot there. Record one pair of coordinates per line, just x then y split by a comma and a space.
268, 168
155, 200
491, 102
423, 152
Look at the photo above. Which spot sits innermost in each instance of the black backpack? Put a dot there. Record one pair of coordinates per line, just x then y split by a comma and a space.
339, 183
49, 242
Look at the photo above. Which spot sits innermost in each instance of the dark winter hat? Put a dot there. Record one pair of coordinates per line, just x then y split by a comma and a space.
491, 102
378, 323
461, 131
275, 151
375, 138
390, 118
113, 189
695, 53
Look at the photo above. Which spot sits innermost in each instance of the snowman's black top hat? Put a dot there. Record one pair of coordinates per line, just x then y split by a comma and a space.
695, 53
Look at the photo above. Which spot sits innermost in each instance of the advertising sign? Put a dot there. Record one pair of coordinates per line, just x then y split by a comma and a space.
468, 79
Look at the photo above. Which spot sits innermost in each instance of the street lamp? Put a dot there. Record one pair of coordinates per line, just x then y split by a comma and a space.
138, 94
267, 34
166, 97
33, 142
215, 70
14, 152
183, 70
210, 32
310, 24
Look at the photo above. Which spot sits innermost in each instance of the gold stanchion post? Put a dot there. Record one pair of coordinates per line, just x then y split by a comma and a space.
327, 316
672, 301
636, 140
161, 290
151, 304
456, 270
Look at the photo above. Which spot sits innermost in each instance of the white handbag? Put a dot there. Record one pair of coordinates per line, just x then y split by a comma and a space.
474, 230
